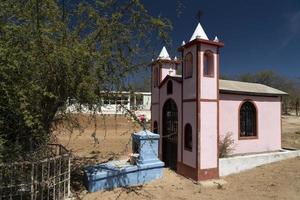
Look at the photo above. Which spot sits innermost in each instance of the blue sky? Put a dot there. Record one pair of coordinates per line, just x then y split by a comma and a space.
258, 34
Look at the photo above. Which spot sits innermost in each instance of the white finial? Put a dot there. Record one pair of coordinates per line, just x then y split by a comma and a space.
216, 39
199, 33
152, 59
164, 54
183, 43
175, 58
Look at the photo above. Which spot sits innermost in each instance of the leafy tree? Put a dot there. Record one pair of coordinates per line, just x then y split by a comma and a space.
55, 51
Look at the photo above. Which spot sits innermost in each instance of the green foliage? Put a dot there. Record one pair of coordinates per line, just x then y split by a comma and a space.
51, 52
1, 149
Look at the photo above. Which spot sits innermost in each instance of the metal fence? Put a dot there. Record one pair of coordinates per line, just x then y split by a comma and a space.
47, 178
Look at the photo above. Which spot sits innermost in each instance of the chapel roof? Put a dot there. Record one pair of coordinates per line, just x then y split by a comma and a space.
199, 36
176, 78
199, 32
164, 54
237, 87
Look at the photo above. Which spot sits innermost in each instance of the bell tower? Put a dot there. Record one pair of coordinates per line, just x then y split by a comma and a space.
160, 68
200, 106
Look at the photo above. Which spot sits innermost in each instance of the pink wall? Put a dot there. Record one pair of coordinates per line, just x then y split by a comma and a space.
207, 121
208, 111
165, 68
154, 90
155, 114
189, 116
189, 107
208, 85
189, 86
154, 99
269, 122
176, 96
209, 135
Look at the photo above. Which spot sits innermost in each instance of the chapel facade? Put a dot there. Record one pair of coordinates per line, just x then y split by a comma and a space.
194, 110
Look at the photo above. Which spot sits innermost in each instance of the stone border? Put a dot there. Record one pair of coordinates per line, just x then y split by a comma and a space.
238, 164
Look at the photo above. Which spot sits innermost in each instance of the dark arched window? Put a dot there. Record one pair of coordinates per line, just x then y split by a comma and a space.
248, 120
188, 137
170, 87
208, 64
188, 68
155, 77
155, 127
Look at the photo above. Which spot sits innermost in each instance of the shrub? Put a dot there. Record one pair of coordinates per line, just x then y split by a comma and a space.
226, 145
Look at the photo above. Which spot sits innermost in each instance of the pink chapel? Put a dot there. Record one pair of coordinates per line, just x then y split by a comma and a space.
193, 111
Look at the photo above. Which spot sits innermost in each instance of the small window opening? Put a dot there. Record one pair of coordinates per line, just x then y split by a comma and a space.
188, 72
170, 87
155, 127
188, 137
208, 64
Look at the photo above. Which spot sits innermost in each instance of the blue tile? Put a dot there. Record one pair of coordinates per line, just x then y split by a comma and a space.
121, 173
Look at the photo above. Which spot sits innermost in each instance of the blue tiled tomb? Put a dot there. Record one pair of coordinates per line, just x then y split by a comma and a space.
144, 166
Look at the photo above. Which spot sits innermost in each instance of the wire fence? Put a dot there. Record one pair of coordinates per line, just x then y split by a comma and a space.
47, 178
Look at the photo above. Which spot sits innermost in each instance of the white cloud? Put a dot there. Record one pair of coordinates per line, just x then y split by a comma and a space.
292, 27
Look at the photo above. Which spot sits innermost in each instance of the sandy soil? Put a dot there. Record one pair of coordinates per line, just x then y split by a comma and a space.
275, 181
291, 132
111, 140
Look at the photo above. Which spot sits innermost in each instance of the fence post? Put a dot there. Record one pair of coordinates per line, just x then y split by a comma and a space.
32, 181
69, 174
297, 108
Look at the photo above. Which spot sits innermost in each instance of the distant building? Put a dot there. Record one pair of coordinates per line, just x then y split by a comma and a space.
193, 110
118, 102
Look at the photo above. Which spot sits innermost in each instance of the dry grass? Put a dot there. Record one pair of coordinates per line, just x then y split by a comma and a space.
226, 145
291, 132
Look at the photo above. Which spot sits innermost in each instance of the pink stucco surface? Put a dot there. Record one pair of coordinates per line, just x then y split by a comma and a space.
208, 90
165, 70
189, 116
208, 138
189, 86
269, 123
208, 85
155, 114
154, 90
176, 96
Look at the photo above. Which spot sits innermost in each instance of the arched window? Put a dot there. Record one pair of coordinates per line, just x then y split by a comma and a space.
155, 77
155, 127
188, 137
170, 87
248, 120
188, 69
208, 64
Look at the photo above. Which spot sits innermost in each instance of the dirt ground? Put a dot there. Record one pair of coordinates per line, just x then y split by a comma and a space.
290, 132
109, 138
279, 180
